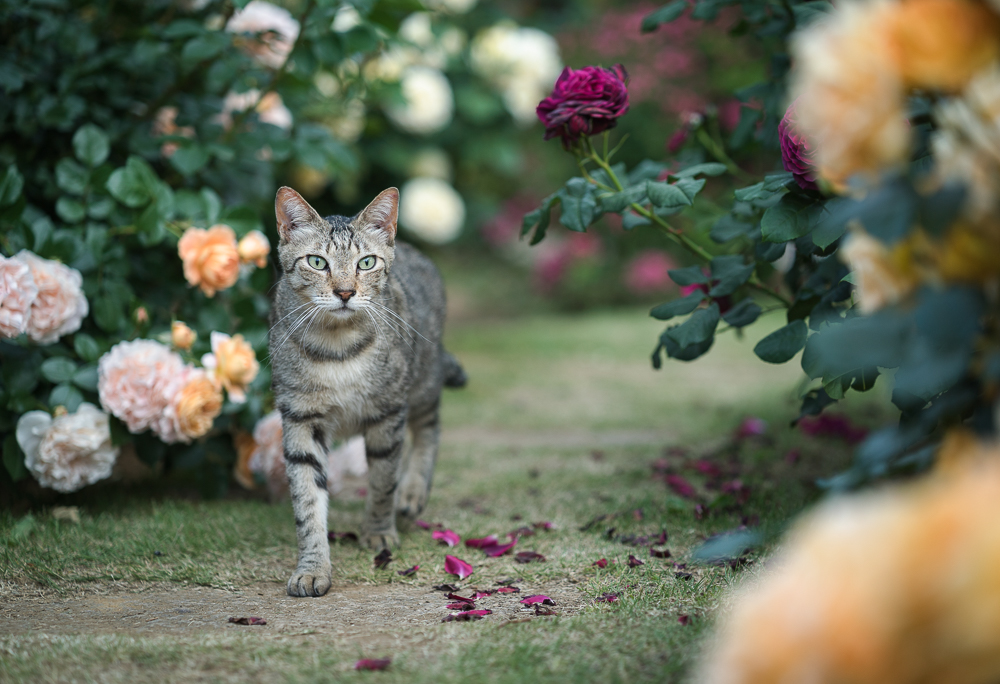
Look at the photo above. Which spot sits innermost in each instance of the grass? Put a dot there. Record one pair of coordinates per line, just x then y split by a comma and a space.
547, 392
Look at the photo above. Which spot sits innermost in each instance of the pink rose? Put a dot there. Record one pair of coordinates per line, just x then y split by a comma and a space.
17, 292
60, 306
133, 382
795, 153
584, 102
647, 272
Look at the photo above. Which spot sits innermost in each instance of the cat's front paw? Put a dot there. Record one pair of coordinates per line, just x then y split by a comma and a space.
310, 581
412, 497
376, 541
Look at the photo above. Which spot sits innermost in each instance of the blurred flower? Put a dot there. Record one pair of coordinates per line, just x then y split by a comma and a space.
254, 248
346, 18
141, 315
17, 292
891, 587
68, 452
245, 446
556, 257
505, 225
211, 258
270, 108
882, 277
452, 6
164, 123
275, 28
968, 254
428, 101
60, 305
133, 381
431, 209
833, 425
181, 336
646, 273
390, 64
751, 427
431, 162
795, 155
453, 40
725, 303
521, 62
848, 93
416, 29
584, 102
232, 363
195, 402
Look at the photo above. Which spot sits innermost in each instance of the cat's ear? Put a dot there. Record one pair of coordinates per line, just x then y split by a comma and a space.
293, 212
381, 214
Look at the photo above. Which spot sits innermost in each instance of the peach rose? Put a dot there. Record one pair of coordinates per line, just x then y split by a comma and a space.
17, 292
60, 306
133, 380
881, 279
232, 363
195, 402
275, 28
254, 247
211, 260
68, 452
245, 446
181, 336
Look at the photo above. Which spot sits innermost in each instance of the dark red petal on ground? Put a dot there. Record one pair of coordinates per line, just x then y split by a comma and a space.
372, 664
680, 486
467, 615
498, 549
427, 526
461, 605
607, 598
634, 562
445, 587
409, 571
508, 590
529, 557
544, 611
455, 597
447, 536
661, 539
545, 525
603, 563
751, 427
659, 553
256, 621
707, 468
684, 619
522, 531
538, 598
383, 558
348, 536
482, 594
490, 540
457, 566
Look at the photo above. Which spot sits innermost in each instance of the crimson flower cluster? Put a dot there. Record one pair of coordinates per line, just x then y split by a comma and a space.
584, 102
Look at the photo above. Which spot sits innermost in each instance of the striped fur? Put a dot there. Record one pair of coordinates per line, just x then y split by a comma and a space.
368, 360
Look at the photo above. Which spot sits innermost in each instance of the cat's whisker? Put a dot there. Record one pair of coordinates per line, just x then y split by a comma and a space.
277, 322
292, 329
399, 318
389, 322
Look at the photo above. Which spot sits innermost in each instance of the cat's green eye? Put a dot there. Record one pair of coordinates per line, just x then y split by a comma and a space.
367, 264
319, 263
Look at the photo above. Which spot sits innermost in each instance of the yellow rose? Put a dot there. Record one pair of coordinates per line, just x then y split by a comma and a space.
211, 259
232, 363
181, 336
254, 248
196, 405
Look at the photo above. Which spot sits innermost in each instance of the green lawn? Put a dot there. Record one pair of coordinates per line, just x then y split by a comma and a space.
546, 392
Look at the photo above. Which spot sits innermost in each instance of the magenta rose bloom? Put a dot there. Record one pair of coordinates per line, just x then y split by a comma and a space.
584, 102
795, 156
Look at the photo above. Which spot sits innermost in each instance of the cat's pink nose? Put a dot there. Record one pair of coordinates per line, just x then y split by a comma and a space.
344, 294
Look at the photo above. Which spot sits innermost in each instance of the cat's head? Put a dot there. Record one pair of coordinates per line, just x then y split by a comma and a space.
339, 264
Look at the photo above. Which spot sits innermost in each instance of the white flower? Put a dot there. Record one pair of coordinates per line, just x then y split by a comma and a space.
452, 6
277, 28
346, 18
69, 452
521, 62
431, 162
416, 28
432, 210
60, 306
429, 101
390, 65
270, 108
17, 292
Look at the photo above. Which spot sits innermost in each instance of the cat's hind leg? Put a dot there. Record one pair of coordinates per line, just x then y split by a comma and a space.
416, 487
305, 463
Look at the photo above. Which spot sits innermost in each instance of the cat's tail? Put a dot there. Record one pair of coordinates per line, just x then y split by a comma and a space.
454, 374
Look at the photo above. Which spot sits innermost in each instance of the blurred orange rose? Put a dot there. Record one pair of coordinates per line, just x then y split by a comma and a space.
245, 445
882, 277
181, 336
195, 406
232, 363
254, 247
211, 259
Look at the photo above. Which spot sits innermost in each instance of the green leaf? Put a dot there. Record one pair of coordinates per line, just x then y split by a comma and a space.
151, 230
666, 195
13, 459
108, 314
185, 28
134, 184
729, 228
697, 329
41, 229
772, 185
728, 272
690, 186
66, 395
791, 218
664, 15
188, 159
539, 219
70, 210
91, 145
213, 205
678, 307
579, 205
631, 220
204, 47
690, 275
58, 369
11, 186
71, 177
619, 201
743, 314
784, 343
86, 347
86, 378
708, 168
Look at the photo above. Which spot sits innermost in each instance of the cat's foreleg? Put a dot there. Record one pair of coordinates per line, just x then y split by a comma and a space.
305, 464
416, 486
384, 451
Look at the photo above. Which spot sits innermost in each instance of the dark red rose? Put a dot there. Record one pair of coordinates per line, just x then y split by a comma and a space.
587, 101
795, 155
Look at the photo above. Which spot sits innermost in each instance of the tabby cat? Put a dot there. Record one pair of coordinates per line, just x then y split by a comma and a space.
355, 349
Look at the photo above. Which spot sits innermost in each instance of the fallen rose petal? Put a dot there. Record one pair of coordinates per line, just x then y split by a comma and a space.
455, 597
603, 563
498, 549
700, 511
659, 553
491, 540
445, 587
680, 486
607, 597
683, 575
372, 664
545, 525
428, 526
446, 536
457, 566
529, 557
383, 559
409, 571
461, 605
661, 539
684, 619
751, 427
543, 611
634, 562
482, 594
508, 590
522, 531
467, 615
707, 468
537, 598
248, 621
